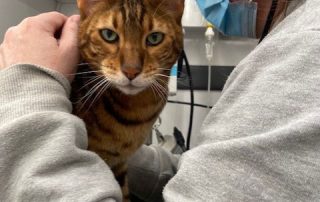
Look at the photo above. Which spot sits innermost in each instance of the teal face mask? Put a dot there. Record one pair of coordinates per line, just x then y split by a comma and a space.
232, 19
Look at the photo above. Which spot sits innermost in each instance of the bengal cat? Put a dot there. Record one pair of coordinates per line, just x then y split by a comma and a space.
130, 47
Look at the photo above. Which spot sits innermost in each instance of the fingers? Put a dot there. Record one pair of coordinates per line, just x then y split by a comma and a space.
69, 35
35, 41
52, 21
68, 43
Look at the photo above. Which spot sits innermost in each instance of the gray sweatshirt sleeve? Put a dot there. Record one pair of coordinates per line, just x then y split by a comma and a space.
261, 141
43, 146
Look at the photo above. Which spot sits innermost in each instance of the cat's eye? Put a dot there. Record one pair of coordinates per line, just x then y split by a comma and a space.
155, 38
109, 35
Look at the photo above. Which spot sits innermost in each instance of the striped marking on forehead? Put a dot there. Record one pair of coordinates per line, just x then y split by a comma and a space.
133, 11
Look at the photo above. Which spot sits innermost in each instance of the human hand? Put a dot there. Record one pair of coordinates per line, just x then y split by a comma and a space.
35, 41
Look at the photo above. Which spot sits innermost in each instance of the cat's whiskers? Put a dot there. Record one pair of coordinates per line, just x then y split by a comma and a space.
162, 91
158, 92
150, 81
98, 88
164, 69
83, 64
162, 84
165, 76
162, 75
82, 73
88, 77
153, 91
155, 12
91, 92
86, 72
105, 86
88, 94
92, 80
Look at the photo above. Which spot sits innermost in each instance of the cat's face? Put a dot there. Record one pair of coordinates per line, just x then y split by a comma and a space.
133, 43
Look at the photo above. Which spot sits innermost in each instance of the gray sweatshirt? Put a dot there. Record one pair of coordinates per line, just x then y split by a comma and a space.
260, 142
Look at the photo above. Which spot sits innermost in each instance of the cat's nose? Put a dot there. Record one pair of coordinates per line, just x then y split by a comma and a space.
131, 72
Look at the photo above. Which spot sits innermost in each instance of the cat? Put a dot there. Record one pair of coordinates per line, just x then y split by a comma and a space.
130, 47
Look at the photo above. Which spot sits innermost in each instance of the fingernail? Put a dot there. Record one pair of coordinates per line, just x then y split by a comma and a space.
75, 18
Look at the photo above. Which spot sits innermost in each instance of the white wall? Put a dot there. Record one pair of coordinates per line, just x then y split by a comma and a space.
13, 11
67, 7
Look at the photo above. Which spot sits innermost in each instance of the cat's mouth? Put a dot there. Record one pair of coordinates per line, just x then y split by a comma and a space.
130, 89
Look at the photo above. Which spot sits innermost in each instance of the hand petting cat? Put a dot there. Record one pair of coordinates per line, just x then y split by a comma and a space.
45, 40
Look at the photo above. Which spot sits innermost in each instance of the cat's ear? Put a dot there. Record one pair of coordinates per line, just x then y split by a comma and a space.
86, 7
174, 7
178, 7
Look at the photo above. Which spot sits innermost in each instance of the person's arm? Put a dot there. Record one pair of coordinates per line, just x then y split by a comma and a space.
42, 145
261, 141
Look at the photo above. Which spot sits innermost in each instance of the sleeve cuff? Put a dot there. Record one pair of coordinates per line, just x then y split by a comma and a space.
27, 88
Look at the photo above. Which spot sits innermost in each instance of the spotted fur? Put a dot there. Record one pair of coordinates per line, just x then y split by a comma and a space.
123, 89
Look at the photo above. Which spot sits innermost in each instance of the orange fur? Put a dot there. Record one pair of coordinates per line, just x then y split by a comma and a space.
120, 116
